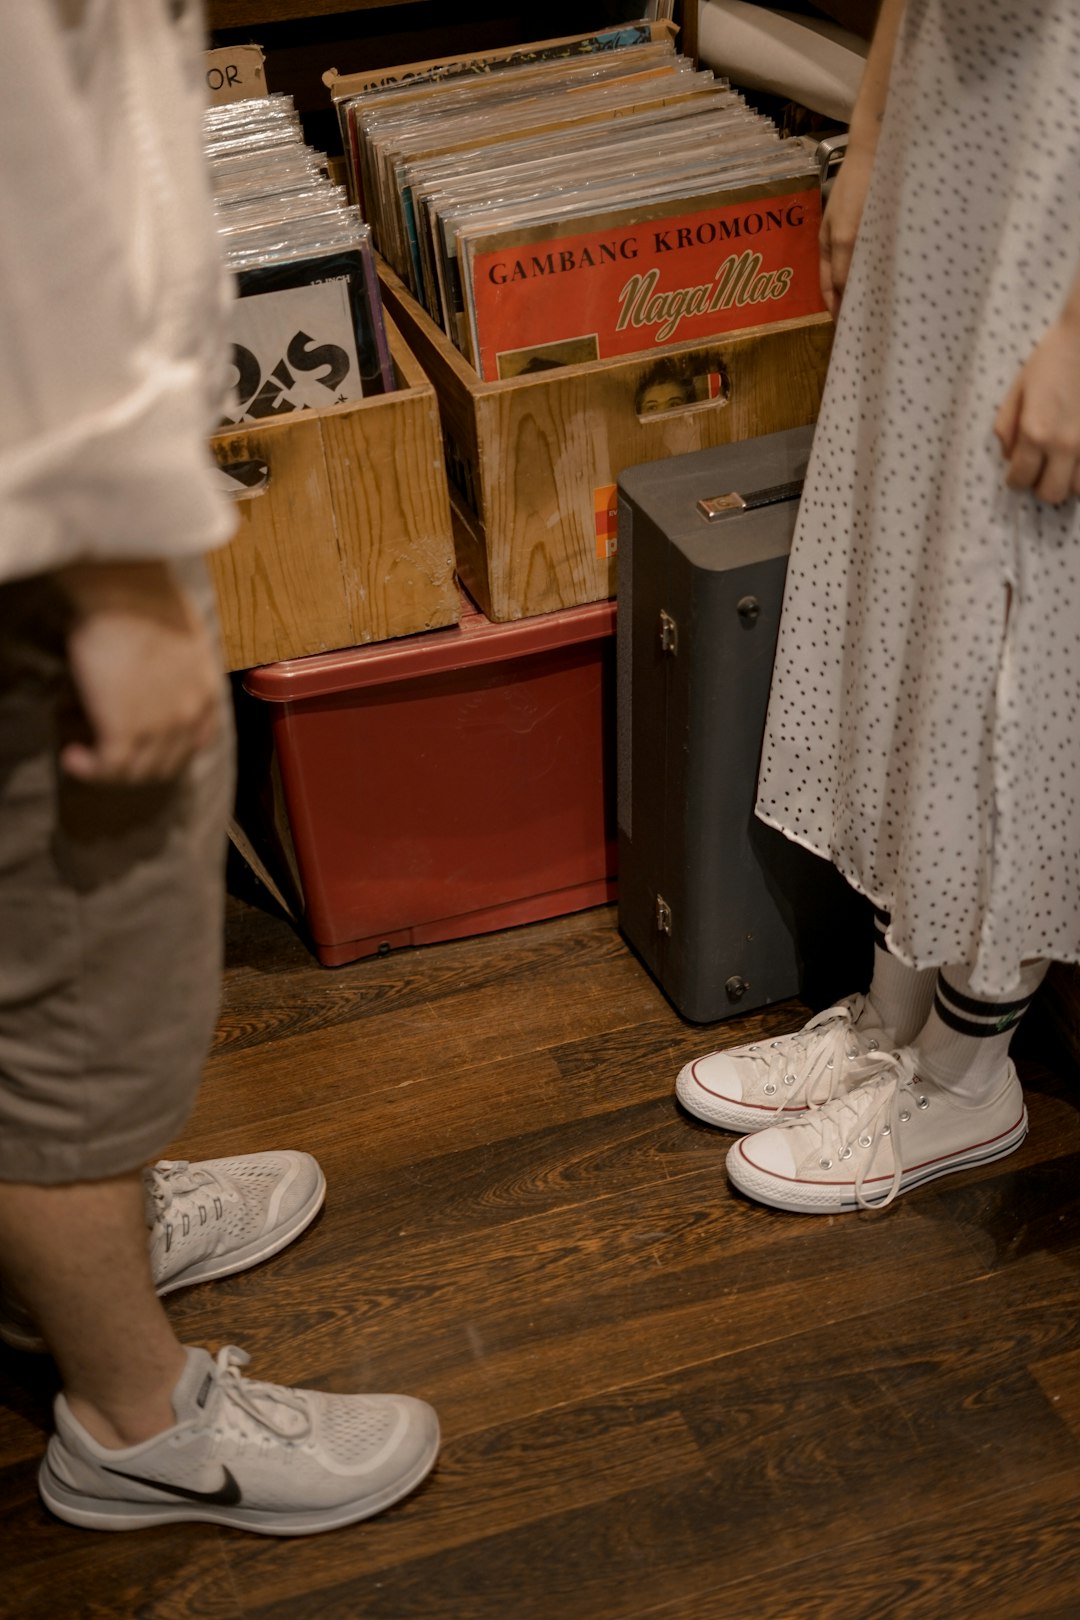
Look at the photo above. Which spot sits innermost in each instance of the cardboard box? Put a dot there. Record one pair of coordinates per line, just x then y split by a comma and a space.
235, 73
533, 460
348, 539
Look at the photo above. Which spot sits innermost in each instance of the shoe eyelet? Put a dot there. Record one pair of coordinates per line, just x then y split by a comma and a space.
886, 1130
829, 1064
865, 1141
923, 1102
825, 1164
789, 1079
845, 1153
904, 1117
872, 1046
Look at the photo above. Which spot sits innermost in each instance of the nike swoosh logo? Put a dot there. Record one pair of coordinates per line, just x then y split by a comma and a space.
226, 1495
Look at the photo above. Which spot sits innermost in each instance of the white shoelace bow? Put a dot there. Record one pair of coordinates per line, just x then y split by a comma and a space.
821, 1050
171, 1181
867, 1115
243, 1399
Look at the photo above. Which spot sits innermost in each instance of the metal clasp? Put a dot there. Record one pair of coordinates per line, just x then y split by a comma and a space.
721, 505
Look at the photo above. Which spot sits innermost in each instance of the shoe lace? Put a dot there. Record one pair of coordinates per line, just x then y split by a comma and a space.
820, 1051
867, 1115
244, 1401
172, 1182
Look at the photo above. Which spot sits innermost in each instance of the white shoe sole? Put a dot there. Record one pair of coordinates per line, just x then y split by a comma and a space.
818, 1198
100, 1513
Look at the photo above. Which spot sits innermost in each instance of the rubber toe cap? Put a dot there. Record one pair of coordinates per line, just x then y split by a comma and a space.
716, 1074
770, 1150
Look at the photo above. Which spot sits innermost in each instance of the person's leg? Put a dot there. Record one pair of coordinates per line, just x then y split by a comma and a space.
150, 1431
948, 1102
110, 938
111, 906
899, 997
963, 1044
78, 1258
111, 926
203, 1220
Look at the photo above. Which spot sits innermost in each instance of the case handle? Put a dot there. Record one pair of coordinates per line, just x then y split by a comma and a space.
728, 505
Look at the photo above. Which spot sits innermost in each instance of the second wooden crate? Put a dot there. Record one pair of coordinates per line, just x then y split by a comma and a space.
533, 460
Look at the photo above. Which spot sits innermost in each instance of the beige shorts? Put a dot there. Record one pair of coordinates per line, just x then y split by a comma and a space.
110, 927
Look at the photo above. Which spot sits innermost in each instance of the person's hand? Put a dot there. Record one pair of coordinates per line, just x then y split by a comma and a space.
1038, 424
840, 224
144, 671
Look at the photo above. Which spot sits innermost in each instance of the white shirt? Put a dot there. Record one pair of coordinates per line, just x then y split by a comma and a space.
112, 352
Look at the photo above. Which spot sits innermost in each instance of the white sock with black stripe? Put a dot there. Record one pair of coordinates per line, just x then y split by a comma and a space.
964, 1043
899, 995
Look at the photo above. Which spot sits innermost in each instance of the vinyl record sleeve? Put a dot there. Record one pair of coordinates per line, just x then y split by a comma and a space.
535, 115
356, 94
655, 98
644, 168
448, 117
727, 170
640, 277
558, 162
478, 64
306, 334
493, 174
488, 108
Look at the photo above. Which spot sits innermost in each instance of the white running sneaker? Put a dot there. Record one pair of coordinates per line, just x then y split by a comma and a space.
220, 1216
863, 1149
747, 1088
283, 1462
209, 1220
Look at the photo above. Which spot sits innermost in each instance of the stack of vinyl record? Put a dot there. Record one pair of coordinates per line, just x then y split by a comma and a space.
582, 199
307, 329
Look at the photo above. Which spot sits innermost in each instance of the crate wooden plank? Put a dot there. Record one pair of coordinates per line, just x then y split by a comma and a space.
275, 593
351, 541
387, 477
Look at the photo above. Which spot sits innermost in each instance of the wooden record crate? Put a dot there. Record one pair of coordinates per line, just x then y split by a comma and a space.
534, 459
351, 539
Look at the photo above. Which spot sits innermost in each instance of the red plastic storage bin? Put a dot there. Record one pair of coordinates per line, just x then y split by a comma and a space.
449, 783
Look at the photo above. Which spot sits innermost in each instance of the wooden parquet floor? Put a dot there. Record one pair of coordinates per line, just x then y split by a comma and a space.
658, 1400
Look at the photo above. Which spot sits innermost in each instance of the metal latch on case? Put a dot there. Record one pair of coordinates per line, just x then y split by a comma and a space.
721, 506
669, 633
663, 915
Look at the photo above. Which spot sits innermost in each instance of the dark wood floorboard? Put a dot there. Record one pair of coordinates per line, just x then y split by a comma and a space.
659, 1400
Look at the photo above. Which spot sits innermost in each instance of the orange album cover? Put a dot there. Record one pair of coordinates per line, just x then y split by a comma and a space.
637, 279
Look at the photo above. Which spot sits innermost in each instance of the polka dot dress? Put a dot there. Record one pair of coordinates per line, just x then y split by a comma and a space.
924, 723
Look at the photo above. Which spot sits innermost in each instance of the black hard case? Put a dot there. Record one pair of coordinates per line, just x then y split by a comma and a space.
727, 913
